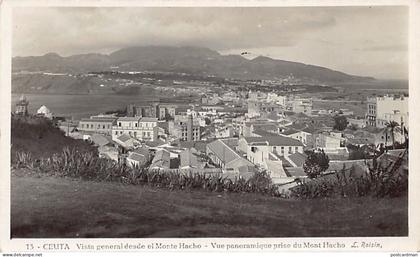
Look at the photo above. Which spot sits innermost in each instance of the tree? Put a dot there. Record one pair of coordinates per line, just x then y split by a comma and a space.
340, 122
316, 163
207, 120
168, 117
357, 152
393, 127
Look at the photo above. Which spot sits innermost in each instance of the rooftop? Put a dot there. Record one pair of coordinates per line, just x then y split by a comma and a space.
162, 159
155, 143
225, 153
295, 172
100, 140
290, 131
263, 133
298, 159
124, 138
148, 119
274, 141
97, 120
129, 118
137, 157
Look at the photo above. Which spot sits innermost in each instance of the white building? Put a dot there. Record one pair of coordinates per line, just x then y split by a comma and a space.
258, 149
44, 111
140, 128
302, 106
384, 109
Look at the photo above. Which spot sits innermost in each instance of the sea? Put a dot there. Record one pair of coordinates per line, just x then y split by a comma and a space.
80, 106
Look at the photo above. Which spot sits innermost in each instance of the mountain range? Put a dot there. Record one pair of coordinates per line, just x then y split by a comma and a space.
190, 60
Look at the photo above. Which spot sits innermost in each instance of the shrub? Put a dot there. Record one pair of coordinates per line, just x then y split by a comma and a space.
77, 164
340, 122
380, 181
316, 163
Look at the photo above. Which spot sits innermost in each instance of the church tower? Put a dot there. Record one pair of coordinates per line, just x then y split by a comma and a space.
22, 106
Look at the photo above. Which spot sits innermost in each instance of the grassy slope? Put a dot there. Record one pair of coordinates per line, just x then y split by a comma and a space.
38, 137
58, 207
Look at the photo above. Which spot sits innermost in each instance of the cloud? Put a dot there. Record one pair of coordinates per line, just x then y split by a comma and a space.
350, 39
385, 48
83, 29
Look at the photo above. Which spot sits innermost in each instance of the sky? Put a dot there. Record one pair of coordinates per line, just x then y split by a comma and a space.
368, 41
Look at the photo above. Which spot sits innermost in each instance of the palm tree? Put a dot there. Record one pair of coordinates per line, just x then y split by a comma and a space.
393, 127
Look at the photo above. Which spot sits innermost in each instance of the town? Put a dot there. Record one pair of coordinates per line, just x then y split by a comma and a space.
238, 133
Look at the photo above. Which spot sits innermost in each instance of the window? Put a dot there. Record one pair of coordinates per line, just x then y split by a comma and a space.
103, 126
116, 132
91, 126
296, 149
83, 126
290, 149
253, 149
119, 124
282, 150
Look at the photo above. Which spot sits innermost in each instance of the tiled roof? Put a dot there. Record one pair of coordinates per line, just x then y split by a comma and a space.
100, 140
290, 131
274, 140
295, 172
148, 119
137, 157
232, 142
223, 151
97, 120
162, 159
266, 126
124, 138
198, 145
298, 159
103, 117
263, 133
155, 143
129, 118
142, 151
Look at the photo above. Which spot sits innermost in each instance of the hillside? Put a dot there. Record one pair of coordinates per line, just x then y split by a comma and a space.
40, 138
190, 60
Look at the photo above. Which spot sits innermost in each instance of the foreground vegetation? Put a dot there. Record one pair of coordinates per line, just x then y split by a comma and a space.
75, 164
383, 179
63, 207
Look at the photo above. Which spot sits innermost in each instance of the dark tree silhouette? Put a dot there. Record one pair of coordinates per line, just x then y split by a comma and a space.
316, 163
340, 122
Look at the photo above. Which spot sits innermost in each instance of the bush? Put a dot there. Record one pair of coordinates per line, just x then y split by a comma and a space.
381, 181
340, 122
76, 164
316, 163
